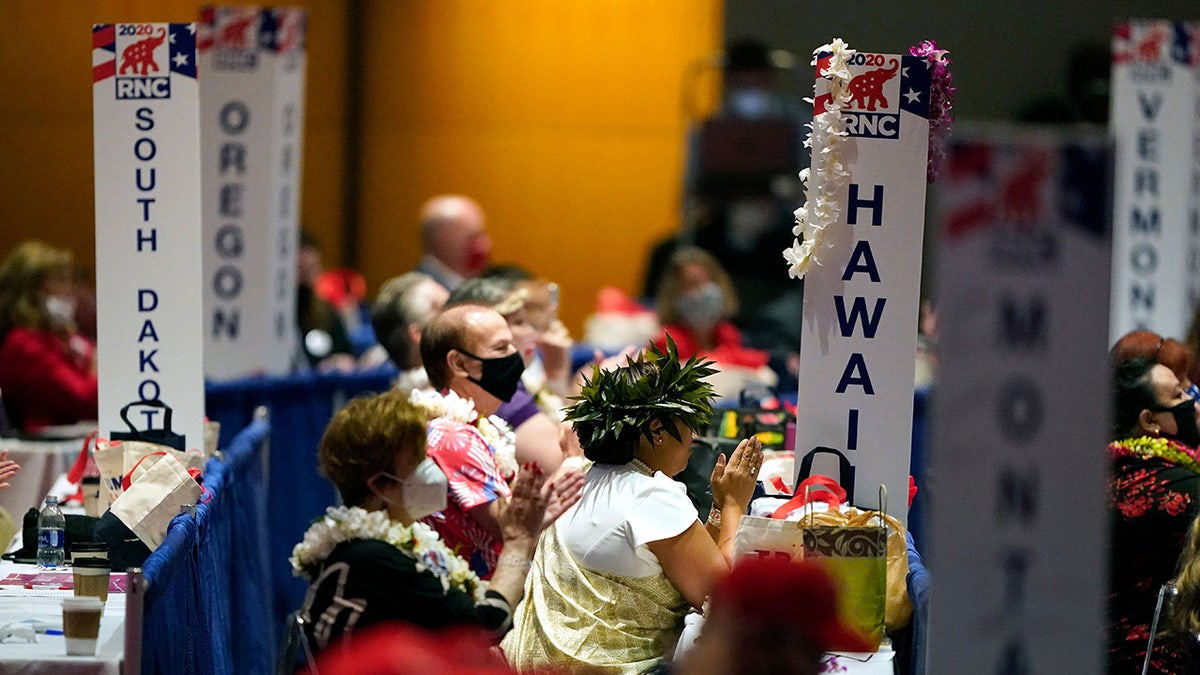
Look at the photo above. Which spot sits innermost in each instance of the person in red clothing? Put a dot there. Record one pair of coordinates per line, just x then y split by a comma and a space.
695, 302
47, 369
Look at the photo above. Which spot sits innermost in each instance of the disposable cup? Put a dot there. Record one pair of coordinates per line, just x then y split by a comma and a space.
89, 549
91, 496
91, 577
81, 624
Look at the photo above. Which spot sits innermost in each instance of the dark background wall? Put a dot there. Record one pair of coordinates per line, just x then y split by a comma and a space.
1005, 53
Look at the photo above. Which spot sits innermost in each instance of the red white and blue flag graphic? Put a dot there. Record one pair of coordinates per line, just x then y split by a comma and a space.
881, 87
145, 54
282, 29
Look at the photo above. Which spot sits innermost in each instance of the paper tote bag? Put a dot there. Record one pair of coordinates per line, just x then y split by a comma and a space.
110, 459
140, 456
151, 501
856, 557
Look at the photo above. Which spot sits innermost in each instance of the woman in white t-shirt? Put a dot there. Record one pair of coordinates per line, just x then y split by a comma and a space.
614, 576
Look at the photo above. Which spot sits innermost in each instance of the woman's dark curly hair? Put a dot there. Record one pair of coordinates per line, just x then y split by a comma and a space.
615, 407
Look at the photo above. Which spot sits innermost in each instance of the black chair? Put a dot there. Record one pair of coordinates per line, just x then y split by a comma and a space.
295, 645
1166, 598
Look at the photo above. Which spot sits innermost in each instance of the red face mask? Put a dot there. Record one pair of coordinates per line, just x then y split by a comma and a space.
478, 252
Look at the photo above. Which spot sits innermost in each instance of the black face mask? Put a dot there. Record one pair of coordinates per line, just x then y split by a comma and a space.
500, 375
1185, 421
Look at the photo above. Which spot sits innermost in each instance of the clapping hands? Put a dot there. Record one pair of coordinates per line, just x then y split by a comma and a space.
8, 469
535, 503
733, 480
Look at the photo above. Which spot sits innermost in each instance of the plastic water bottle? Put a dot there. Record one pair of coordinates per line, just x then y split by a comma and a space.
51, 539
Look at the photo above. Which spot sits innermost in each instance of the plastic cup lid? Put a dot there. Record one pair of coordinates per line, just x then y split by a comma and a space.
84, 546
82, 602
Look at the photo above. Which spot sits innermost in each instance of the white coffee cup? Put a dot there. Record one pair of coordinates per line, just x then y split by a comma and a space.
81, 624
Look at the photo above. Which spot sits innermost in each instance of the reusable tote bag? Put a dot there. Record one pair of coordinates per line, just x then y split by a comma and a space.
856, 557
151, 501
164, 436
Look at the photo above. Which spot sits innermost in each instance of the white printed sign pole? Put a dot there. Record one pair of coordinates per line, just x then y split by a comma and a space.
858, 339
1153, 124
236, 172
252, 62
286, 28
148, 261
1192, 32
1018, 522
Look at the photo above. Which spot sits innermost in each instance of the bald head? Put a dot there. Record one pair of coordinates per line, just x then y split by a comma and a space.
474, 329
453, 231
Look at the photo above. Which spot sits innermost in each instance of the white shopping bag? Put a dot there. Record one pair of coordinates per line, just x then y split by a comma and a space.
110, 460
154, 498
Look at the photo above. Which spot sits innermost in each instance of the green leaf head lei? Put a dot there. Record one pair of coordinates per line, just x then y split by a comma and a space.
615, 406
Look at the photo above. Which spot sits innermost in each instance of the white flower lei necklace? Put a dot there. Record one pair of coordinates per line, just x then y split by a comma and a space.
418, 541
828, 173
495, 431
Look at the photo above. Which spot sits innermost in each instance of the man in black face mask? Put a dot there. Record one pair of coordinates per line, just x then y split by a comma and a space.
481, 363
469, 355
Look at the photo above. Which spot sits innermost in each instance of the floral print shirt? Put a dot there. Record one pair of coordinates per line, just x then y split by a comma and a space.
475, 480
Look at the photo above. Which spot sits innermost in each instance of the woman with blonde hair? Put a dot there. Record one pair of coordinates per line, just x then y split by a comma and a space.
47, 369
1183, 630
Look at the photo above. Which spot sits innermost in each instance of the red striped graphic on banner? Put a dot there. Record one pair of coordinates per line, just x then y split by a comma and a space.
105, 37
104, 70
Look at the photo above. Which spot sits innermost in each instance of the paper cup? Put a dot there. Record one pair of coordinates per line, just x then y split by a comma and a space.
92, 505
91, 577
81, 624
89, 549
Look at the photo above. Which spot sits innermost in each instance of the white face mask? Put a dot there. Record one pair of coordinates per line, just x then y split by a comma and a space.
424, 490
60, 310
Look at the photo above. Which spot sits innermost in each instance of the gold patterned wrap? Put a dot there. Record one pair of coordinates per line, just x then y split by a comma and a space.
572, 616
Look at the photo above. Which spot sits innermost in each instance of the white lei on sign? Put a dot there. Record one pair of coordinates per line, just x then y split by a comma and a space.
495, 431
419, 541
828, 174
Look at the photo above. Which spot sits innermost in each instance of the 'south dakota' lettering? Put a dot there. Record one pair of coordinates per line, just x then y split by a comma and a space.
148, 389
145, 149
146, 180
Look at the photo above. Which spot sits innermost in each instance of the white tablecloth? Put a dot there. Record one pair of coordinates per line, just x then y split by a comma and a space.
42, 462
48, 655
851, 663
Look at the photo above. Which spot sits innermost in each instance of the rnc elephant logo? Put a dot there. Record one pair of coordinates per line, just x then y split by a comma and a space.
143, 68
